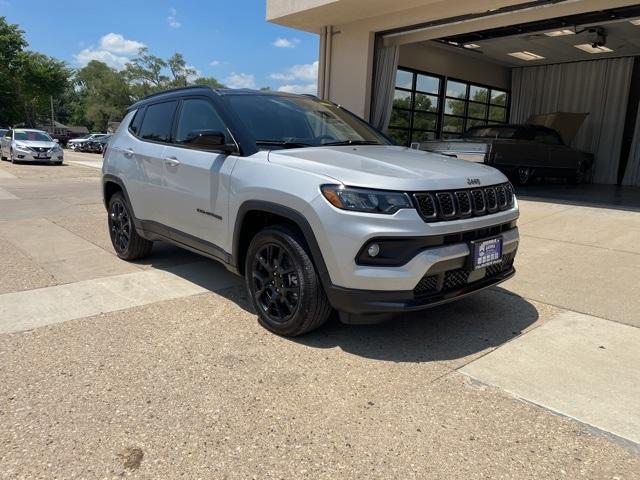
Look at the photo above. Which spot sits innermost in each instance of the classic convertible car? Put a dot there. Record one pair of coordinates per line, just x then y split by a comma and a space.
522, 152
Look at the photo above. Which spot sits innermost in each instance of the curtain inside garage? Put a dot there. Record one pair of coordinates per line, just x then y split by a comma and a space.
632, 172
386, 63
599, 88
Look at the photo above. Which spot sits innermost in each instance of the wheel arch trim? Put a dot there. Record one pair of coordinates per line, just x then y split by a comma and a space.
290, 214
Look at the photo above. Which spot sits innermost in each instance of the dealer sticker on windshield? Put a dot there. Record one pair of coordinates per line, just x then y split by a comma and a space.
486, 252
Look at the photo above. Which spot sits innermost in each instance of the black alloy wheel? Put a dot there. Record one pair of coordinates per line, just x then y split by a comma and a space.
276, 283
119, 226
283, 284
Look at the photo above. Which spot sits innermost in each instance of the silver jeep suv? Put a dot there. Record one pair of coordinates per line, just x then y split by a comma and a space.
315, 208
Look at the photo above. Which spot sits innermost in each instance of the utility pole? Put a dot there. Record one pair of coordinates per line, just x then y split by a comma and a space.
52, 125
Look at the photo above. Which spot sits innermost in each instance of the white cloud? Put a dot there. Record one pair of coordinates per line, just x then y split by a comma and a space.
286, 42
173, 21
88, 54
240, 80
217, 63
196, 73
307, 71
113, 49
311, 88
116, 43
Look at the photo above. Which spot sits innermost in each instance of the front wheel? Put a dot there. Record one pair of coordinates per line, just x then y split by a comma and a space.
283, 284
524, 175
124, 238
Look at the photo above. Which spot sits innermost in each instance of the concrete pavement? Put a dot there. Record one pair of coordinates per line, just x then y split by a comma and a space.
100, 357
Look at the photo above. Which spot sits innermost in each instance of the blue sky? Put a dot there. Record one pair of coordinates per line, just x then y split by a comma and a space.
227, 39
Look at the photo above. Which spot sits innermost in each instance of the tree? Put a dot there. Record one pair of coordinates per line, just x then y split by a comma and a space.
144, 74
39, 79
180, 71
104, 94
147, 74
12, 43
210, 81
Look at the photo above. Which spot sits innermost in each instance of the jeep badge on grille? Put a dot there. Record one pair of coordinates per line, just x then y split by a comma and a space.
473, 181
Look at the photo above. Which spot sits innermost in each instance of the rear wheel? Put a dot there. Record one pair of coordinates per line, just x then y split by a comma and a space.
124, 238
283, 284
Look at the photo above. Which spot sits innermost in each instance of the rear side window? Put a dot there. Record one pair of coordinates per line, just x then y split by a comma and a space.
157, 121
197, 116
134, 126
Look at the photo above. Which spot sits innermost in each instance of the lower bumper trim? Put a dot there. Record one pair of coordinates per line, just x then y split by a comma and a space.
371, 302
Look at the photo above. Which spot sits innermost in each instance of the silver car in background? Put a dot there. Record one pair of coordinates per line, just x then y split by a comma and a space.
28, 145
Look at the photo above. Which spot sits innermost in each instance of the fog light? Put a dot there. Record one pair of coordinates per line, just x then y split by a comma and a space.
373, 250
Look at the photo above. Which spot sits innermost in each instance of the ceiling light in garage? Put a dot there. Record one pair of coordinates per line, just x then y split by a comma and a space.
560, 33
524, 55
589, 48
635, 22
471, 45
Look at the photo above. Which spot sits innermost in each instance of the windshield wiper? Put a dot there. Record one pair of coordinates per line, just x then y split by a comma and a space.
350, 142
284, 143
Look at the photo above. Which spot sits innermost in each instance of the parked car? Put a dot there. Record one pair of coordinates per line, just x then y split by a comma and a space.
97, 145
28, 145
3, 131
314, 207
79, 143
522, 152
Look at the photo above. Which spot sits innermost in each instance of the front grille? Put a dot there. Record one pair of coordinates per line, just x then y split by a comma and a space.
39, 149
455, 279
450, 205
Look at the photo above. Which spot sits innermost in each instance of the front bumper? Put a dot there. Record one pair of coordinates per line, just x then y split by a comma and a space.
29, 156
371, 306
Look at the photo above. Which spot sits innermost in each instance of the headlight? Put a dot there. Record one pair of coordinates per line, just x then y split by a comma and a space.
363, 200
21, 146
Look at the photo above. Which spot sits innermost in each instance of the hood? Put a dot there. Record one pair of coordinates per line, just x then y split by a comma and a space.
387, 167
37, 143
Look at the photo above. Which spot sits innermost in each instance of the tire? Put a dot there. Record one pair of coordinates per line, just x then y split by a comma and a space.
283, 284
524, 175
124, 238
580, 176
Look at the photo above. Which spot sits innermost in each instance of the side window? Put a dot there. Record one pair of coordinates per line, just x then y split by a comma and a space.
157, 121
197, 116
136, 121
8, 134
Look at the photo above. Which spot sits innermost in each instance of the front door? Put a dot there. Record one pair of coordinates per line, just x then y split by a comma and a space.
195, 178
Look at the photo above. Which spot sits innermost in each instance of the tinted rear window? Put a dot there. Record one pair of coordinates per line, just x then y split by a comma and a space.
157, 121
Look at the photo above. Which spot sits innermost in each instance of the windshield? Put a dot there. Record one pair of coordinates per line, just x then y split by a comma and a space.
29, 135
297, 121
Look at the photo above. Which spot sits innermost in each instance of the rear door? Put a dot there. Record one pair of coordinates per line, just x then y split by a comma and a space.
196, 179
147, 154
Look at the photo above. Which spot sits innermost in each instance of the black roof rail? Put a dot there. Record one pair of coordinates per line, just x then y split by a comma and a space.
171, 90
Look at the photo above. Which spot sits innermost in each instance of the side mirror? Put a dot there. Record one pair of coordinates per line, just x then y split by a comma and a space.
208, 140
56, 140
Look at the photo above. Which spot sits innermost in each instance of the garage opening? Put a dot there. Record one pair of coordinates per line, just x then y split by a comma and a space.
577, 75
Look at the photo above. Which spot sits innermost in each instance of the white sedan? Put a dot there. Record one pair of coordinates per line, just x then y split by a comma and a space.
27, 145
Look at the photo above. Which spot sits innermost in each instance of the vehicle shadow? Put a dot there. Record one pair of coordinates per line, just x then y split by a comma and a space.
456, 330
448, 332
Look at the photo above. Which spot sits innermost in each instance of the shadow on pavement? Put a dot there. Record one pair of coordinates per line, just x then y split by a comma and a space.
448, 332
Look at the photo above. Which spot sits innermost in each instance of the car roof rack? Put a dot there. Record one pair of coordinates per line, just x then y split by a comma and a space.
171, 90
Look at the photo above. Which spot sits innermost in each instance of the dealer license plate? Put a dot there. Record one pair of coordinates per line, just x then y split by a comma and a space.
486, 252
